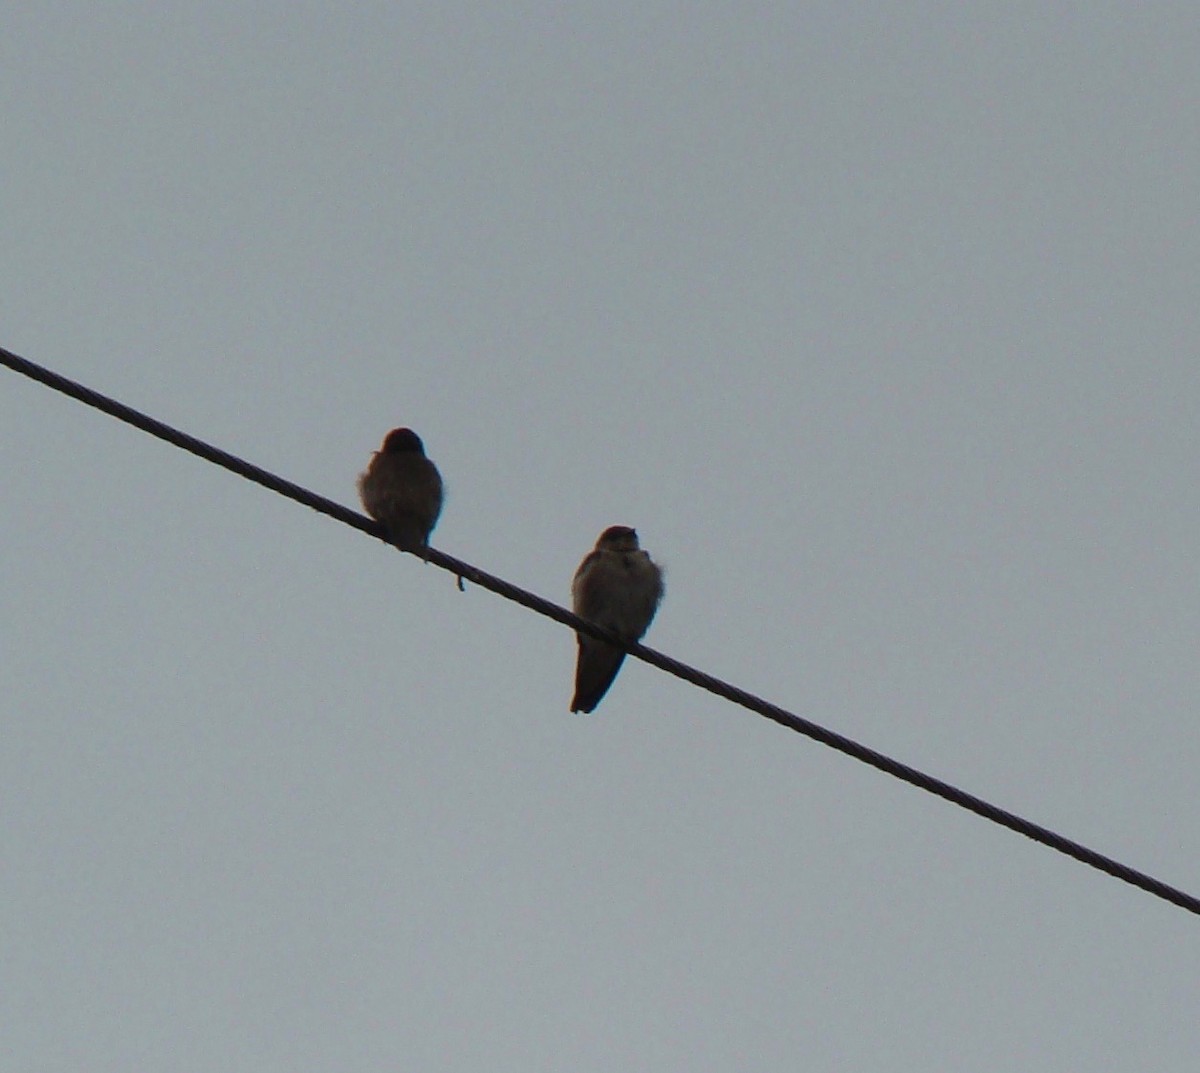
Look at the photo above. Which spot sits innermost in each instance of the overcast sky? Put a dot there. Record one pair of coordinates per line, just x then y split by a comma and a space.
879, 322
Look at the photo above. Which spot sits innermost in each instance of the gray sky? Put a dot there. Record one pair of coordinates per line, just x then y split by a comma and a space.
879, 323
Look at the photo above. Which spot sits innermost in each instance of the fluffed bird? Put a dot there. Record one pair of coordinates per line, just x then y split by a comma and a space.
402, 489
617, 586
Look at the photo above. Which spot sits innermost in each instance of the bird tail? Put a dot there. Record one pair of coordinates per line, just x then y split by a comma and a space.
408, 532
595, 669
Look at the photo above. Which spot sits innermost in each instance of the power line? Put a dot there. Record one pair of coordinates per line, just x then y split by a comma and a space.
648, 655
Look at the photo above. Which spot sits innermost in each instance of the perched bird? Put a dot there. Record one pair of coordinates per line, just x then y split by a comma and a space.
617, 586
402, 489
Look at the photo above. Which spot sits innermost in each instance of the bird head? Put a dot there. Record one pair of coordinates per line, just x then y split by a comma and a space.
402, 441
618, 538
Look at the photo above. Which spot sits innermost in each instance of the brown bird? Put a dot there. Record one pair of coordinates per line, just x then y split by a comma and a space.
402, 489
617, 586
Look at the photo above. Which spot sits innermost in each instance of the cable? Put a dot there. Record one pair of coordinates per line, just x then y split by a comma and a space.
509, 591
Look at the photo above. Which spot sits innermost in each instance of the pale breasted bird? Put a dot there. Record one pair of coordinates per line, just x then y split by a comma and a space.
617, 586
402, 489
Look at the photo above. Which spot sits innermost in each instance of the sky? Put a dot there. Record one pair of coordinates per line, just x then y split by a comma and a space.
879, 323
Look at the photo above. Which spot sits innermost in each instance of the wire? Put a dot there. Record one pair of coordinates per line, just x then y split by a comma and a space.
509, 591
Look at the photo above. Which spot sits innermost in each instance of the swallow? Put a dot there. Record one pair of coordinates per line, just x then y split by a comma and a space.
617, 586
402, 489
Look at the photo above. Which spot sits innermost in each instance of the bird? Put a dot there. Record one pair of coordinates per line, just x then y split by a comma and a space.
402, 489
619, 587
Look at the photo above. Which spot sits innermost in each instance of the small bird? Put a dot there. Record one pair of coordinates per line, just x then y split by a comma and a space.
402, 489
617, 586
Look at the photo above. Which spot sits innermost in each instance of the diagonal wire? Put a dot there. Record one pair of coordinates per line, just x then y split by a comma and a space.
648, 655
